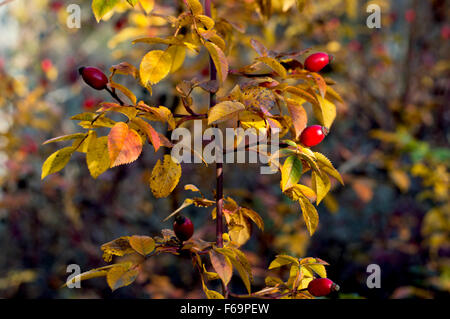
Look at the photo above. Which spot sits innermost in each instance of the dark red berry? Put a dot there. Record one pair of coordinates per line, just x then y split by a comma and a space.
313, 135
320, 287
317, 61
183, 228
93, 77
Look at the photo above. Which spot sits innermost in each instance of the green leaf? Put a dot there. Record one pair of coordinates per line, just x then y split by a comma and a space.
102, 7
291, 172
56, 162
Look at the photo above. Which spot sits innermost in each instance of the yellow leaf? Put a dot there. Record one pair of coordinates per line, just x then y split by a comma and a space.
124, 144
93, 273
187, 202
321, 185
291, 172
239, 228
117, 247
155, 66
97, 157
65, 138
142, 244
165, 177
223, 111
130, 95
219, 59
249, 119
400, 178
177, 53
254, 216
195, 6
121, 276
274, 65
147, 5
281, 260
297, 190
56, 162
327, 166
310, 214
206, 21
326, 113
102, 7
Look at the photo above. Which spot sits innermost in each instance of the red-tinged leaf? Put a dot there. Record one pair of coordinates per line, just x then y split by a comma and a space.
124, 144
298, 115
152, 135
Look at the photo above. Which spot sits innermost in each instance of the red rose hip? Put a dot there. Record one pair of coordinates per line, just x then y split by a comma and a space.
320, 287
93, 77
317, 61
313, 135
183, 228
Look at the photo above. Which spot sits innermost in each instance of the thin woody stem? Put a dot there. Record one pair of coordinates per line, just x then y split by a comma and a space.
115, 96
219, 166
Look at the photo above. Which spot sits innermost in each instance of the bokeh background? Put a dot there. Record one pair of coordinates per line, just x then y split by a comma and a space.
390, 142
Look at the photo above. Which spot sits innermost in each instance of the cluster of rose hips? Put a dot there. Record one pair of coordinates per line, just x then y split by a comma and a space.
313, 135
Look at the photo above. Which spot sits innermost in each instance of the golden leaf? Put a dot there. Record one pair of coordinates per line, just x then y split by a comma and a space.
274, 65
165, 177
321, 185
56, 161
155, 66
142, 244
223, 111
121, 275
310, 214
219, 59
97, 156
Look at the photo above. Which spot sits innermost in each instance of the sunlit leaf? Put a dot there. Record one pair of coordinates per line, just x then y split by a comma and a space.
155, 66
57, 161
224, 111
124, 144
291, 172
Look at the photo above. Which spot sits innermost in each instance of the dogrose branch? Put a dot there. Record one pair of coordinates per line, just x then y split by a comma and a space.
219, 166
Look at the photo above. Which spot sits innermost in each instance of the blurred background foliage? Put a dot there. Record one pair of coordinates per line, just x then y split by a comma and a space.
390, 142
